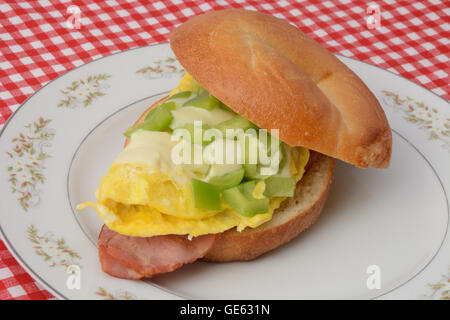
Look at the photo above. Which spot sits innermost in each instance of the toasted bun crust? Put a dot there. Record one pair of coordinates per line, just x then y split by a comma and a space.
271, 73
293, 216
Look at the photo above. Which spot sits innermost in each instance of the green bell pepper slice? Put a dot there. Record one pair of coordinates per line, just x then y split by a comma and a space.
180, 95
240, 198
279, 187
157, 119
204, 101
228, 180
196, 87
237, 122
206, 196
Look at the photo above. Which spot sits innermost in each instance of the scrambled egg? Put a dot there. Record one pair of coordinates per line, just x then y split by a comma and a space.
145, 194
184, 85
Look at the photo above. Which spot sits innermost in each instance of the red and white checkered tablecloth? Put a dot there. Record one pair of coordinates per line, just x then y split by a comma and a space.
36, 46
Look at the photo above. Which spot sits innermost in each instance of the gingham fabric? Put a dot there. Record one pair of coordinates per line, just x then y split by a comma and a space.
36, 46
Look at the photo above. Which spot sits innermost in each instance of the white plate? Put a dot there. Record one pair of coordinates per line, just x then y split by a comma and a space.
390, 223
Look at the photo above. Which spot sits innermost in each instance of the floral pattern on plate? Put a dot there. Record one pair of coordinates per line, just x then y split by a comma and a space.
84, 92
118, 295
27, 159
161, 68
52, 249
440, 290
425, 117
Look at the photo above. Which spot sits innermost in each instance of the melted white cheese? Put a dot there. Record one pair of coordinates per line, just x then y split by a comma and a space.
152, 148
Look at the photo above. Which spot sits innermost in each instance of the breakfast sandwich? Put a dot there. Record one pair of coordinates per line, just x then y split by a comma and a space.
239, 158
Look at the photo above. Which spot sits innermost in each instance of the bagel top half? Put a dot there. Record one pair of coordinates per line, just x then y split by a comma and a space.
271, 73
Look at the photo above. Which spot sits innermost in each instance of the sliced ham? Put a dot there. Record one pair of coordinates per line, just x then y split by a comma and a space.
138, 257
115, 268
